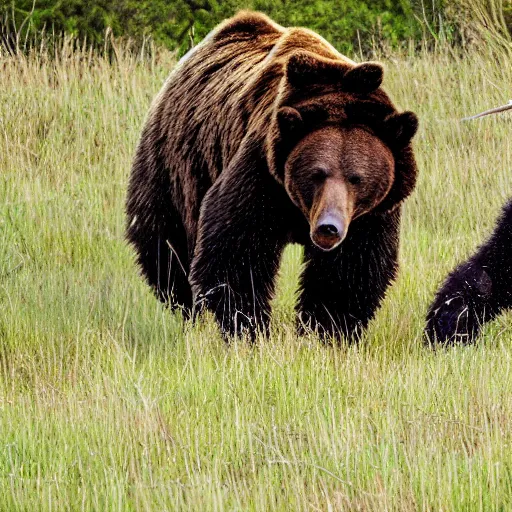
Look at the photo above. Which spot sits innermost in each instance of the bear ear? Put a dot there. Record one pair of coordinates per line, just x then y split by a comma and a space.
289, 120
286, 131
401, 128
363, 78
304, 69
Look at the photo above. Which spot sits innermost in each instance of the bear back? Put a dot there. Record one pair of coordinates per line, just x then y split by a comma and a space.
244, 80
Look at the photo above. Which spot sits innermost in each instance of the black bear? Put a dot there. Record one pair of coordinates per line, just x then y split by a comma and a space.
260, 137
476, 291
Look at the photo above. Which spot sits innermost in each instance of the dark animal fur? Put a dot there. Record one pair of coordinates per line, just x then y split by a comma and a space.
476, 291
206, 202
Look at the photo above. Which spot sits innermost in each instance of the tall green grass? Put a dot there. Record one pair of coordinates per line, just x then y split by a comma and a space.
109, 402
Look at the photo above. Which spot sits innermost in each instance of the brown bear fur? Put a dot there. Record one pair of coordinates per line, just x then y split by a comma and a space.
215, 194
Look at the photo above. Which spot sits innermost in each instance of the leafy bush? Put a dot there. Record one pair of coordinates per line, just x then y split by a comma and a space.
351, 25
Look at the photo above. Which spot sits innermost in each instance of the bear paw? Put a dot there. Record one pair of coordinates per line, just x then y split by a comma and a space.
460, 308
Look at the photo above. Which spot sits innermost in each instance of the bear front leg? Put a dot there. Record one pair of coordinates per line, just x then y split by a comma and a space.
342, 289
240, 240
476, 291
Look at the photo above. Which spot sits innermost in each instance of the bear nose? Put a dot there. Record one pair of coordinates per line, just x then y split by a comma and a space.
328, 230
329, 226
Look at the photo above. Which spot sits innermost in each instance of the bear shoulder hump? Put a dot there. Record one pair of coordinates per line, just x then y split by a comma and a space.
248, 23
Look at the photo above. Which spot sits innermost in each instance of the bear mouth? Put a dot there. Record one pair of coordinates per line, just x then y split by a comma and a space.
326, 243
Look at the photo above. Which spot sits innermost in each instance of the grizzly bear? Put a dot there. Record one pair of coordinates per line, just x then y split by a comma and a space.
477, 291
263, 136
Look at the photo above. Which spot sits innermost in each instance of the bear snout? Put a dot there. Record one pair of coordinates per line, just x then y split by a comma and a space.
329, 232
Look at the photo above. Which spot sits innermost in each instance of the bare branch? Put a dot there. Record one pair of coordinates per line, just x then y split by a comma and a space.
503, 108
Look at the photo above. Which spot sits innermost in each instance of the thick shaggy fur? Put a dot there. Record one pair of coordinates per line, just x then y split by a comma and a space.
209, 211
476, 291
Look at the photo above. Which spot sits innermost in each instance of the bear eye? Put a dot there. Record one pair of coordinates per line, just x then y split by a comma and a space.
354, 179
319, 175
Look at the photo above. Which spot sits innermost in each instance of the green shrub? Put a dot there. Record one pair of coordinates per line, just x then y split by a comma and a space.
351, 25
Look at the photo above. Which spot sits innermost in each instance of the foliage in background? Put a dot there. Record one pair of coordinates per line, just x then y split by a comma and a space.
476, 21
351, 25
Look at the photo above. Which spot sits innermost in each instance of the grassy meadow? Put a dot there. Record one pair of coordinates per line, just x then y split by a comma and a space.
110, 403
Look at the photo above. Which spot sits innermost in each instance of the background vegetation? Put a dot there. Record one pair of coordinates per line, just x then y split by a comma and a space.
109, 402
350, 25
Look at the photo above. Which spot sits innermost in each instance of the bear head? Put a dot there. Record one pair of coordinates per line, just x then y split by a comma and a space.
338, 145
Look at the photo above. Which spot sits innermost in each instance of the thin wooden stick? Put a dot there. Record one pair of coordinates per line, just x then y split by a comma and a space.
503, 108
